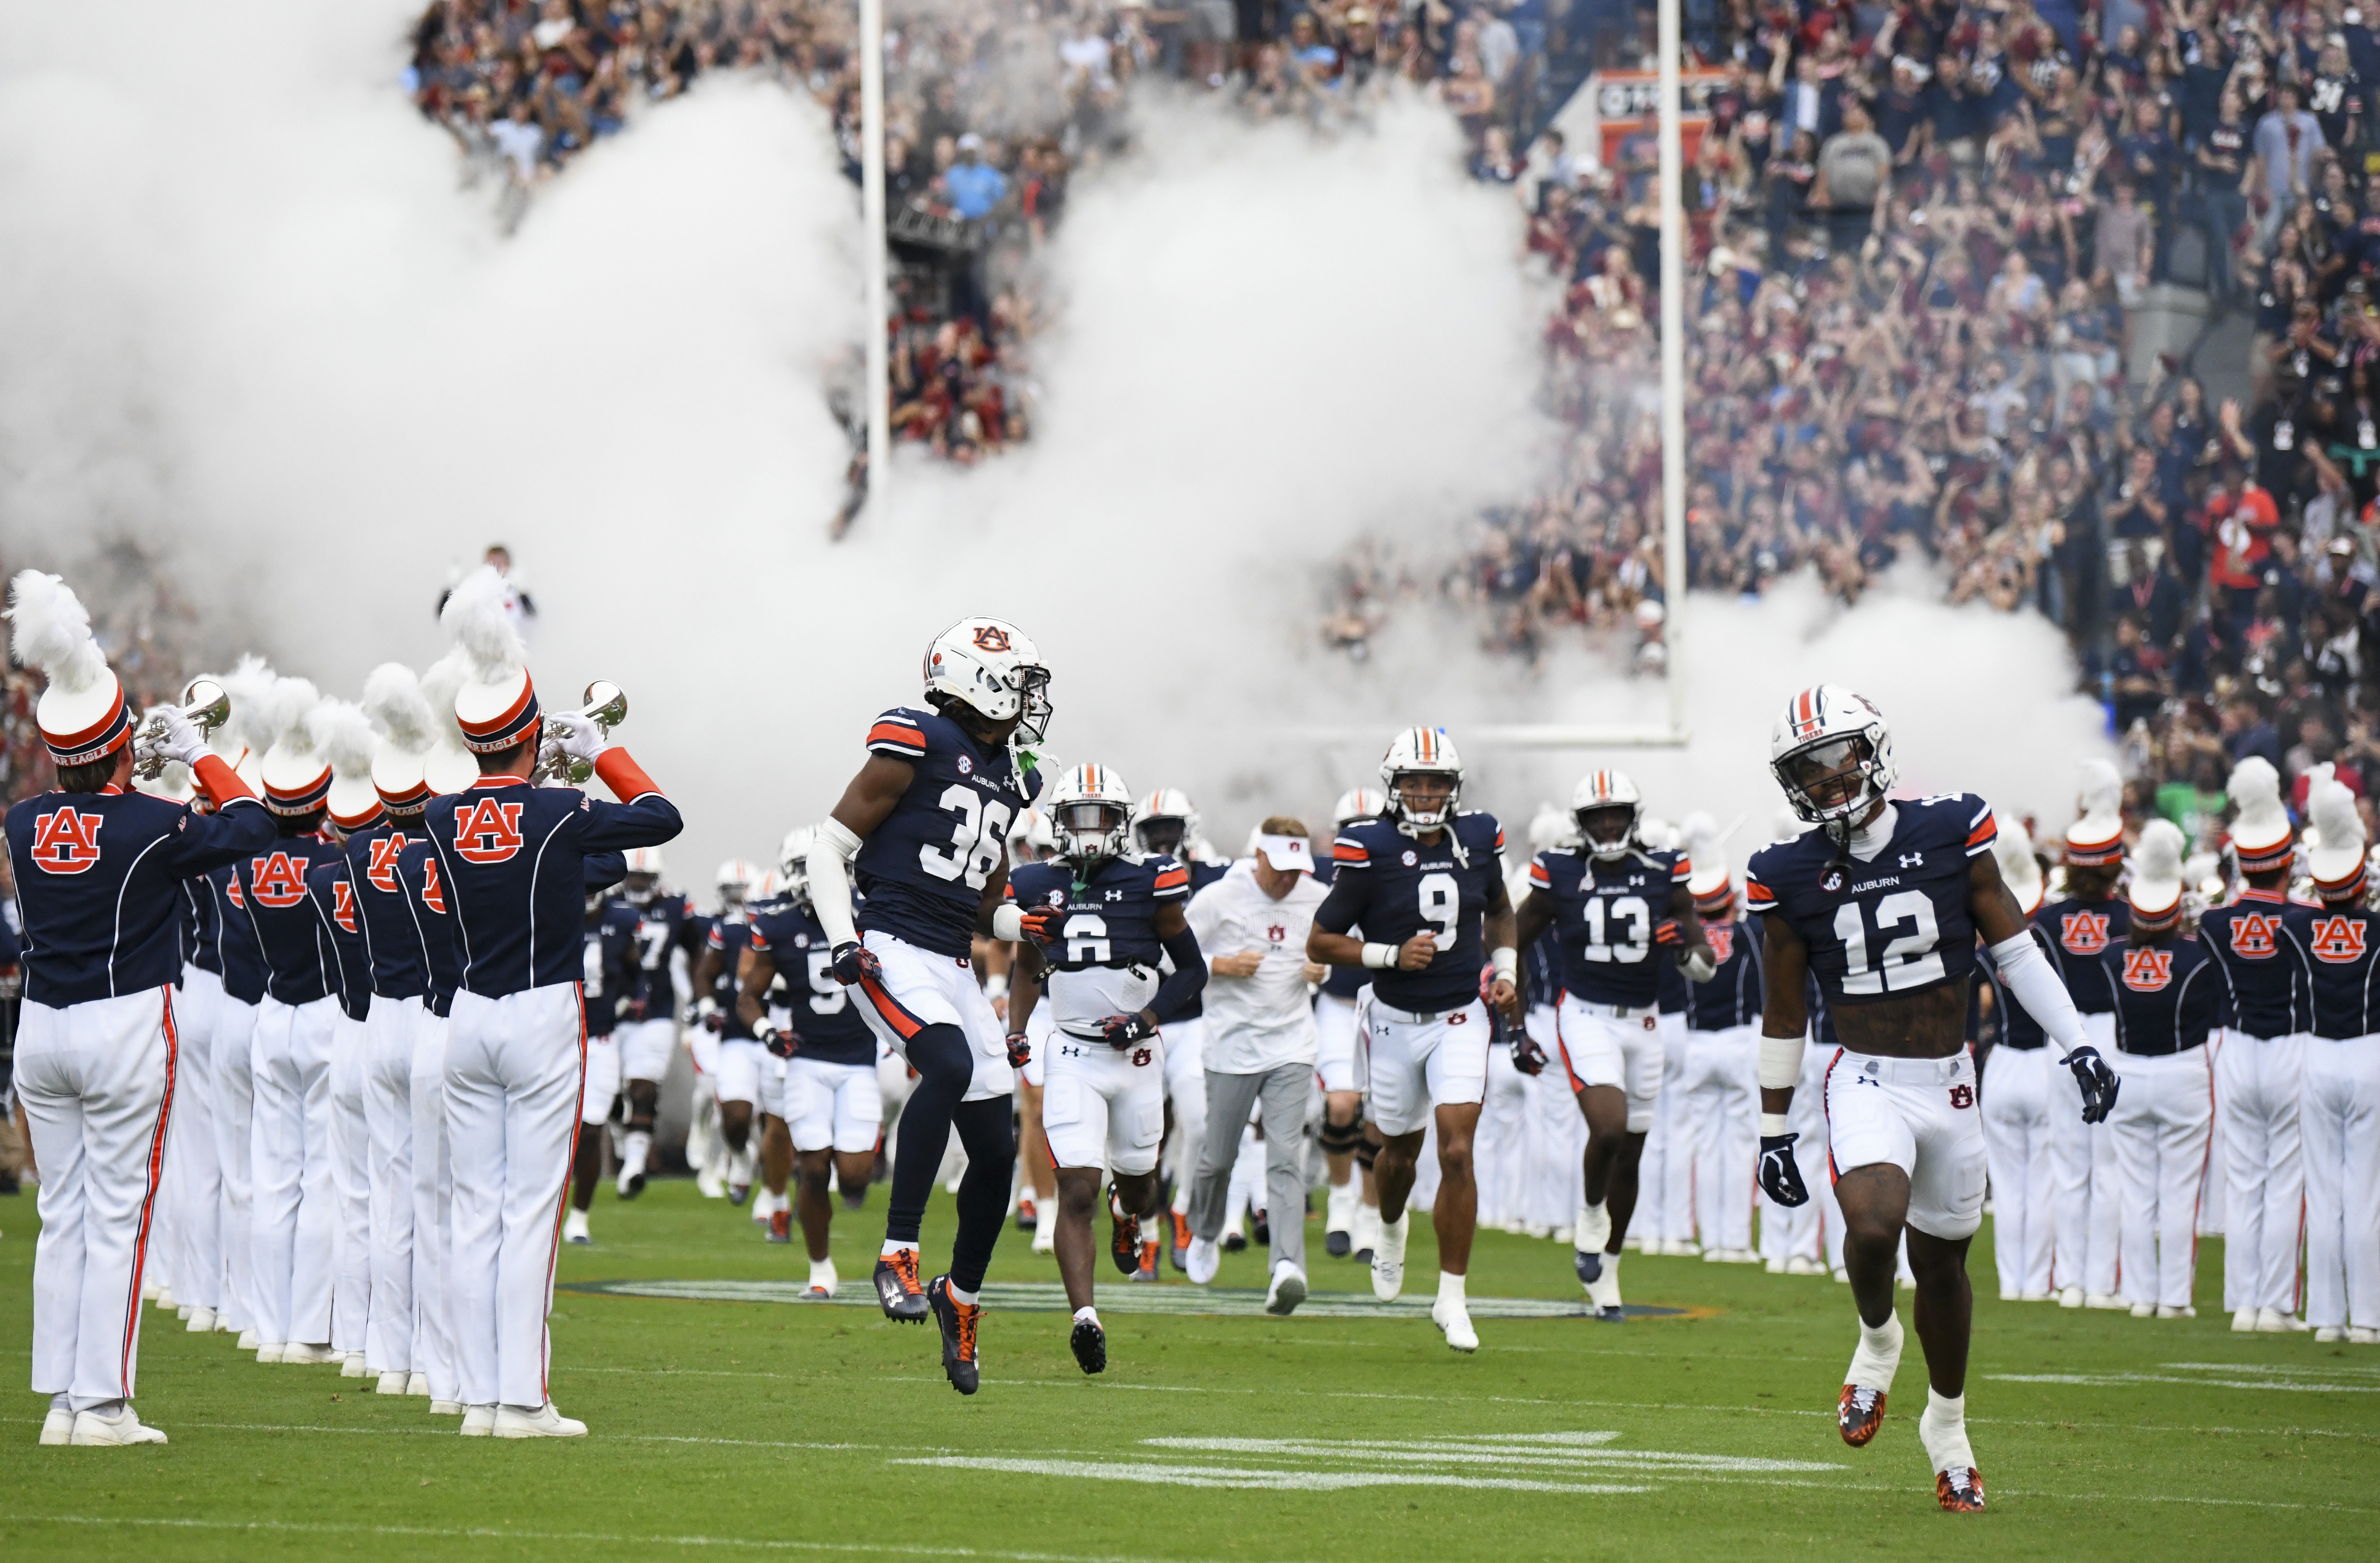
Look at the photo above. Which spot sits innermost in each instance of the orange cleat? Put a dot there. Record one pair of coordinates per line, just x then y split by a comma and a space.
897, 1287
1960, 1492
1859, 1414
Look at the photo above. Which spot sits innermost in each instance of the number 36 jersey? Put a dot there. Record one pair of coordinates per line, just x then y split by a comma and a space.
921, 873
1604, 918
1395, 887
1898, 923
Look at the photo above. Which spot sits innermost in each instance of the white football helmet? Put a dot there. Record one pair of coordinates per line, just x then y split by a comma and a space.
1358, 804
1030, 839
1166, 806
644, 875
1606, 792
1422, 751
989, 665
794, 863
1090, 813
1832, 753
735, 880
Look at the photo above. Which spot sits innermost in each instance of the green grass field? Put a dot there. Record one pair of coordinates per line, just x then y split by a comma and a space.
723, 1428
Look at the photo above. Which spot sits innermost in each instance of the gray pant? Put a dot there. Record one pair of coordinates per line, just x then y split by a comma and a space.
1285, 1090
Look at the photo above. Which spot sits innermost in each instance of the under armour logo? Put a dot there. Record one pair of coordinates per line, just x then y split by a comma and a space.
66, 841
1115, 895
1913, 860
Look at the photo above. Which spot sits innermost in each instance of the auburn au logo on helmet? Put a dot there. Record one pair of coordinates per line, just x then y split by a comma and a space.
990, 637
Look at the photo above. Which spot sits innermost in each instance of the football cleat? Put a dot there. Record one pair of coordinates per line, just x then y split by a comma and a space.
1123, 1238
1233, 1242
1859, 1413
738, 1192
1090, 1344
1028, 1213
1388, 1258
1588, 1236
1179, 1244
1454, 1319
897, 1287
958, 1322
1146, 1269
1604, 1292
1338, 1245
781, 1225
574, 1228
1960, 1492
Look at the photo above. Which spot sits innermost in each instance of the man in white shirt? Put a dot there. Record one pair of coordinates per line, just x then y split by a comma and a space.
1260, 1045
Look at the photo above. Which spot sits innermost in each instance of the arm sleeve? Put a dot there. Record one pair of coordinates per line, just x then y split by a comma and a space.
648, 822
1181, 986
830, 855
218, 781
2026, 974
601, 871
207, 841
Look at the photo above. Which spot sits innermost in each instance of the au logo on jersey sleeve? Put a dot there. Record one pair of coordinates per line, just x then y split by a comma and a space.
66, 840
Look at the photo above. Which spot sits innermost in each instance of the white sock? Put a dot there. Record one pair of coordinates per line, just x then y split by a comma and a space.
959, 1293
640, 1150
892, 1248
1878, 1356
1943, 1430
822, 1272
1152, 1229
1086, 1312
1449, 1287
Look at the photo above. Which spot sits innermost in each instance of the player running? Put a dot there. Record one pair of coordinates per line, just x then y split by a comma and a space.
922, 829
1096, 919
1422, 880
1616, 907
1882, 904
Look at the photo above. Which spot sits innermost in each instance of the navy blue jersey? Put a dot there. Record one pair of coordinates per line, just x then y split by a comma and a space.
726, 940
425, 889
609, 970
1395, 887
2076, 934
512, 857
1604, 917
2340, 948
1732, 996
1105, 959
332, 884
1898, 923
1540, 971
98, 882
299, 963
921, 873
1342, 981
400, 965
2166, 996
2018, 1027
243, 960
824, 1017
2265, 974
666, 924
202, 927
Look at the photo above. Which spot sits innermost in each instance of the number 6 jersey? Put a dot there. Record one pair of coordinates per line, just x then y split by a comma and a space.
921, 873
1896, 923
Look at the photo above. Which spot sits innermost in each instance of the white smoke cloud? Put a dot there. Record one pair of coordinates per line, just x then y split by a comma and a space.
257, 320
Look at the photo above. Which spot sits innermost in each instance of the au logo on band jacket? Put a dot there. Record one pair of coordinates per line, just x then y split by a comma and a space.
98, 881
511, 858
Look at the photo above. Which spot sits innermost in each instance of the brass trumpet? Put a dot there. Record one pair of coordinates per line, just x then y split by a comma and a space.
607, 707
203, 702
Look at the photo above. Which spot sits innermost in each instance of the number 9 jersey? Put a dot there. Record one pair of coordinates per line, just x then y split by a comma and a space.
920, 874
1896, 923
1393, 888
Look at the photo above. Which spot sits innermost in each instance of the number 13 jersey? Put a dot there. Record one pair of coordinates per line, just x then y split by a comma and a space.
1604, 918
1896, 923
921, 873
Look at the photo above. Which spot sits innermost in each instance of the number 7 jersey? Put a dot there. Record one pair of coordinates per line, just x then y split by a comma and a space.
921, 872
1898, 923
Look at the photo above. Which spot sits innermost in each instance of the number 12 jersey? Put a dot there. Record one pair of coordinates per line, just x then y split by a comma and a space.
921, 873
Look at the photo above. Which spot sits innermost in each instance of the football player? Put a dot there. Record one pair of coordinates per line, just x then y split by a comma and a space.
1619, 911
648, 1028
724, 1044
1098, 918
833, 1111
1424, 881
1166, 822
612, 970
1353, 1214
1882, 904
1031, 841
920, 833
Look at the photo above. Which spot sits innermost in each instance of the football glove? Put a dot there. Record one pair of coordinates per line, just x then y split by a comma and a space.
782, 1044
854, 965
1527, 1056
1020, 1052
1780, 1175
1700, 967
707, 1015
1041, 925
2098, 1082
1126, 1030
1666, 932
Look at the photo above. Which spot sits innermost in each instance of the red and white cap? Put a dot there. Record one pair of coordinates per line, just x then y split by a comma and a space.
2096, 838
2260, 838
82, 713
496, 708
296, 770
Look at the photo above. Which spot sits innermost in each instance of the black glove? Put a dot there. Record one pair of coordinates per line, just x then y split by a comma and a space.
784, 1044
2098, 1082
1126, 1030
1667, 932
1527, 1056
854, 965
1020, 1052
1780, 1175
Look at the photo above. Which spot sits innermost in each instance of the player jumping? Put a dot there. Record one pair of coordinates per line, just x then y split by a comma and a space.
1097, 918
1882, 904
922, 829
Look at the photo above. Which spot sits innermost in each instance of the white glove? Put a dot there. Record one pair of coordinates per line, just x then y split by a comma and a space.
182, 742
581, 738
1700, 967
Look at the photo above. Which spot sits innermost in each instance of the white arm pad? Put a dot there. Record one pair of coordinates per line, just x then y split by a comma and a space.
1380, 957
1507, 962
1780, 1062
831, 854
1008, 923
2026, 974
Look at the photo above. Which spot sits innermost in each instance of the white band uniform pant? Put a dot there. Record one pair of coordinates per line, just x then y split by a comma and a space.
1716, 1130
515, 1068
433, 1198
391, 1029
2088, 1211
1665, 1172
1337, 1060
1502, 1147
1558, 1138
194, 1176
232, 1057
2159, 1128
1813, 1231
2257, 1085
2019, 1099
2339, 1119
295, 1220
351, 1175
97, 1082
1186, 1087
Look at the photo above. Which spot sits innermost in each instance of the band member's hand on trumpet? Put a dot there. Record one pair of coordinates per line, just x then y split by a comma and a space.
574, 741
179, 732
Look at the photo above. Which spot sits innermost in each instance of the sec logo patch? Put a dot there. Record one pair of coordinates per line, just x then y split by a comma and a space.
966, 765
1409, 859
